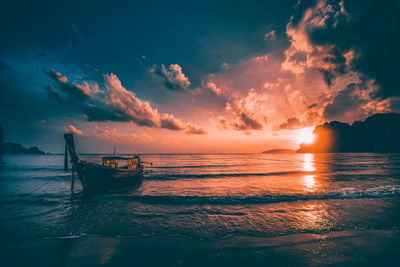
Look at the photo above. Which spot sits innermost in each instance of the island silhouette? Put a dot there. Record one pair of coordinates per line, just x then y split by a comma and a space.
15, 148
279, 151
379, 133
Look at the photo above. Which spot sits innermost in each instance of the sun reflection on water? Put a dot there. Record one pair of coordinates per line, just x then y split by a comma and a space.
308, 162
309, 181
314, 217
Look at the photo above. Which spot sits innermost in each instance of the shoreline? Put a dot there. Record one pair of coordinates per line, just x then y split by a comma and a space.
348, 247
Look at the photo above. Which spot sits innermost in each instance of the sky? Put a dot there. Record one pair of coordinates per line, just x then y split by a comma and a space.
193, 76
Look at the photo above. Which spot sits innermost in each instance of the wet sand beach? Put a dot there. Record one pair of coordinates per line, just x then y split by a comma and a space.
344, 248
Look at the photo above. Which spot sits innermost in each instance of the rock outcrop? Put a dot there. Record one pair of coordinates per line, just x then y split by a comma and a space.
378, 133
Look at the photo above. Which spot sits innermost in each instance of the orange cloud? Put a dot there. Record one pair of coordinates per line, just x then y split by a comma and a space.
73, 91
173, 77
124, 138
73, 129
192, 130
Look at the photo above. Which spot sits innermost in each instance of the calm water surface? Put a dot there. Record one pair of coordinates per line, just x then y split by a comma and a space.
205, 197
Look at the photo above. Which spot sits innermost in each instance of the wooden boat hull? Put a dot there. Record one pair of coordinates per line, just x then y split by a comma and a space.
92, 175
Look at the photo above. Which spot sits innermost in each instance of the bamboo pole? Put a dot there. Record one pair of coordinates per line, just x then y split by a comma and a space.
66, 158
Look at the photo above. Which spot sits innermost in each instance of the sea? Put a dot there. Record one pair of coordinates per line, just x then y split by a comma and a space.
205, 209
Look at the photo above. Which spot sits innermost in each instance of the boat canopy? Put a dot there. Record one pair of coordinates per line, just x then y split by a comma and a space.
112, 161
118, 157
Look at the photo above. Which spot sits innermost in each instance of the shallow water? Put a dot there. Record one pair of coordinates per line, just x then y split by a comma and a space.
204, 197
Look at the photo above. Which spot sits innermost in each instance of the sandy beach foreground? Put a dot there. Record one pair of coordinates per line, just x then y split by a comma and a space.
369, 247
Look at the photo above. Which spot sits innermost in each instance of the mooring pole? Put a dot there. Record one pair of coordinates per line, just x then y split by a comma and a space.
66, 158
73, 176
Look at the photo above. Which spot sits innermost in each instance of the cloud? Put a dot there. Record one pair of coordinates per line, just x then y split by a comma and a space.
124, 138
317, 77
355, 103
192, 130
73, 91
125, 105
246, 122
307, 119
270, 35
88, 89
53, 95
120, 104
313, 79
212, 87
291, 124
115, 103
72, 129
173, 77
247, 111
313, 106
245, 108
169, 122
342, 36
220, 123
258, 95
347, 100
94, 113
303, 53
56, 76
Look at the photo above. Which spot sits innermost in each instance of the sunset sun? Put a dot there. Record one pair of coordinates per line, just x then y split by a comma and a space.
305, 135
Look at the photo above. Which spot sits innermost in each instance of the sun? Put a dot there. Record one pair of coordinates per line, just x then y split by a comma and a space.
305, 135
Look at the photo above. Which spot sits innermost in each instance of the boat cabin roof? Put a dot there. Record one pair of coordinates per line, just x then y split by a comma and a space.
117, 157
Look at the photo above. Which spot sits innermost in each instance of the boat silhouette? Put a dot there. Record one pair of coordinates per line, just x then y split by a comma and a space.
109, 173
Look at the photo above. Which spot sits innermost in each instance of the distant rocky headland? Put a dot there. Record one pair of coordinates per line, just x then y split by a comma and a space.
379, 133
14, 148
279, 151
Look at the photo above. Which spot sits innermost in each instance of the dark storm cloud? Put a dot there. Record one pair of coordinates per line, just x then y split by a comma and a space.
74, 92
313, 106
347, 100
368, 28
295, 123
338, 63
247, 123
53, 95
301, 7
93, 113
291, 124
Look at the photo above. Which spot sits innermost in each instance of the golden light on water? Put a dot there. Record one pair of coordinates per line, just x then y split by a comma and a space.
308, 162
309, 180
314, 217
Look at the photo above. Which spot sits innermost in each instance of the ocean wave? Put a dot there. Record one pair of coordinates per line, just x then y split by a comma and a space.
345, 193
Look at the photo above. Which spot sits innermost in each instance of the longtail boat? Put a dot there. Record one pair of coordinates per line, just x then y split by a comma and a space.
109, 173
